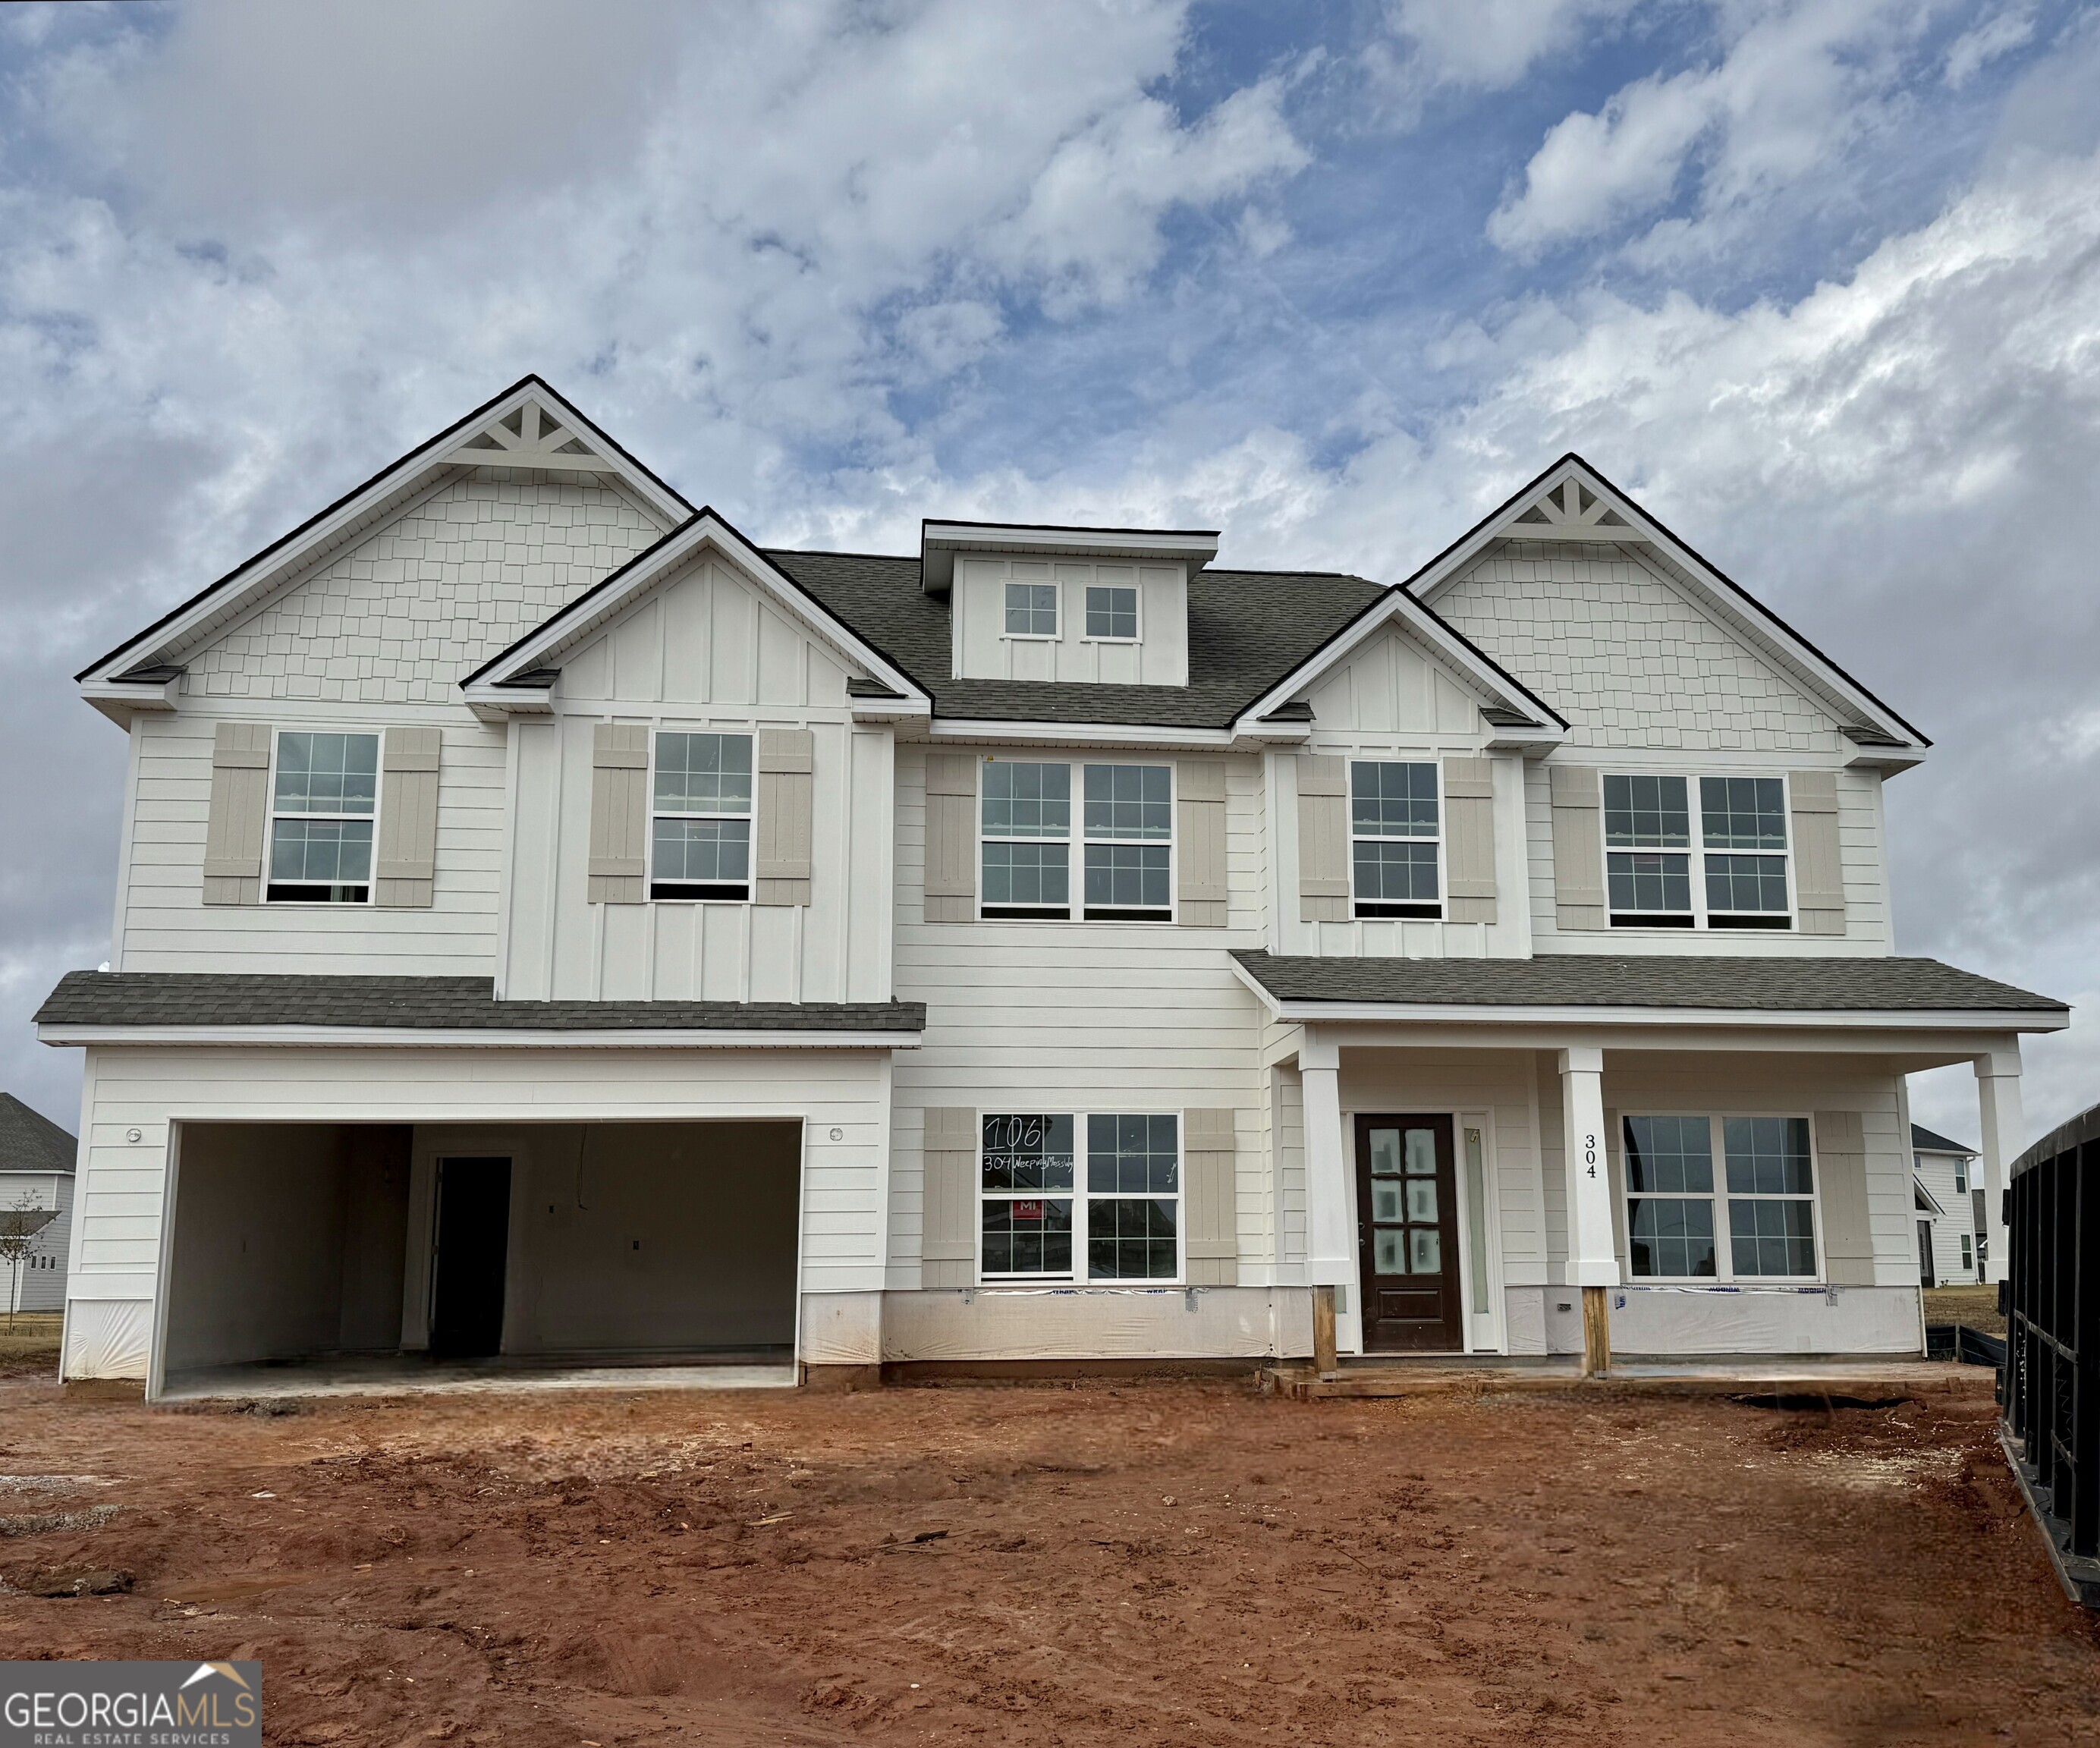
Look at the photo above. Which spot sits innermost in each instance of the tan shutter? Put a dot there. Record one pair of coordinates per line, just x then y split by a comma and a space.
948, 1240
786, 760
1819, 867
1323, 838
404, 877
1199, 848
1469, 839
1209, 1199
239, 815
951, 837
619, 813
1841, 1164
1578, 846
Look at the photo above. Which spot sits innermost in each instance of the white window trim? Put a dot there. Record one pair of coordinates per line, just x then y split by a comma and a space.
270, 832
1074, 841
1724, 1249
1136, 589
1697, 853
1081, 1198
1443, 875
1056, 587
656, 730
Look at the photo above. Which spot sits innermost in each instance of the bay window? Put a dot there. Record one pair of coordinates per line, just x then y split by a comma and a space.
699, 844
1755, 1218
322, 800
1737, 836
1394, 840
1125, 841
1044, 1217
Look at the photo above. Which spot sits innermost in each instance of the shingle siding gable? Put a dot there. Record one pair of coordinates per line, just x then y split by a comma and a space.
402, 615
1626, 657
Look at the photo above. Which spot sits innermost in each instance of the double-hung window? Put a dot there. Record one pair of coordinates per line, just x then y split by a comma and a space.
323, 801
1031, 610
1125, 841
1754, 1218
1046, 1214
1394, 839
699, 828
1737, 837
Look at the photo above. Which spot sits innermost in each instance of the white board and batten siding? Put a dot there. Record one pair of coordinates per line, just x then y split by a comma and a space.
117, 1226
983, 649
1034, 1017
1650, 683
1393, 700
702, 653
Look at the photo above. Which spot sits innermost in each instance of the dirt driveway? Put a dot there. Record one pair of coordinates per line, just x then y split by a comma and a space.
1166, 1563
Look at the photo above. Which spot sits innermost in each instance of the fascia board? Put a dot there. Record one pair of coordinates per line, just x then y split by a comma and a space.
409, 1038
1923, 1188
120, 699
1079, 734
940, 541
391, 489
1399, 608
1452, 1013
1743, 611
594, 609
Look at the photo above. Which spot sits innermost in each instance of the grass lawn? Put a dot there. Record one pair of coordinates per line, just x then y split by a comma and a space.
1976, 1306
32, 1344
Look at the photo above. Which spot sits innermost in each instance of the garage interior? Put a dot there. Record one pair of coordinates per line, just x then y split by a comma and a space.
489, 1249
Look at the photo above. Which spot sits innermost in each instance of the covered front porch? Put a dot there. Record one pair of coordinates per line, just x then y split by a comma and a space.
1638, 1170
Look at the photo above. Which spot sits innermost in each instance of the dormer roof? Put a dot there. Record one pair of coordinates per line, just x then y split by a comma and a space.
940, 541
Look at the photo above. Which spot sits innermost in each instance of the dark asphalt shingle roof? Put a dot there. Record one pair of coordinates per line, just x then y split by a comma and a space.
1923, 1140
1585, 980
1247, 629
30, 1142
182, 998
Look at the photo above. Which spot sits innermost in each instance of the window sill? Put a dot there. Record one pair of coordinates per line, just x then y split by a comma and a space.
1031, 636
1126, 642
1037, 1284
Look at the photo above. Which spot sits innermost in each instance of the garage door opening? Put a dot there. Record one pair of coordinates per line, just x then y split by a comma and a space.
329, 1254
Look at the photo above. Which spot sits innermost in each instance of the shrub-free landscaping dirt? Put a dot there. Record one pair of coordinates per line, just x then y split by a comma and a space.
1102, 1564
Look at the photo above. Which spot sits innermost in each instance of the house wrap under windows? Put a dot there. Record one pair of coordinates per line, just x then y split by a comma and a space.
552, 925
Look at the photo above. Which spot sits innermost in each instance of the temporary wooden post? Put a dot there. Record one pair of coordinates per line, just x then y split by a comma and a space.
1596, 1332
1323, 1330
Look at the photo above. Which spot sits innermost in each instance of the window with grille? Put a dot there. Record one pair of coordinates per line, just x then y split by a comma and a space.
324, 798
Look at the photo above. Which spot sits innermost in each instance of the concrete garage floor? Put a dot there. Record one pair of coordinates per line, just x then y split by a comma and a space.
409, 1374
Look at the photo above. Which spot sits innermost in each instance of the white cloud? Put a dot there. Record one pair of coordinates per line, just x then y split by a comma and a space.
1800, 80
1994, 38
1488, 45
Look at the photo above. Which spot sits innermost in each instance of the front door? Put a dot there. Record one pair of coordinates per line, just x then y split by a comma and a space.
1407, 1235
473, 1246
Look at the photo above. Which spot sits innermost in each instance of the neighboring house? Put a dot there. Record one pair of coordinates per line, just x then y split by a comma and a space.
547, 922
1951, 1226
37, 1160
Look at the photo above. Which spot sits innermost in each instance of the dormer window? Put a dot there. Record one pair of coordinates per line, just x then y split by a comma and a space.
1031, 610
1112, 614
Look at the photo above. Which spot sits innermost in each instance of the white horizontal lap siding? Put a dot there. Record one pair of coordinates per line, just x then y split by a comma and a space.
704, 653
1861, 844
1080, 1017
844, 1182
168, 927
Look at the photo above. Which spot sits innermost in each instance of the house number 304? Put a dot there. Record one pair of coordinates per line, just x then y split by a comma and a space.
1589, 1153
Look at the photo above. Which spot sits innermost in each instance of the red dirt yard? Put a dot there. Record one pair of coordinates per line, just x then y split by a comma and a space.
1077, 1565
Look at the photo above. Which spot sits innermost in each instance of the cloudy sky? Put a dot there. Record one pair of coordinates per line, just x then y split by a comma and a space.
1820, 282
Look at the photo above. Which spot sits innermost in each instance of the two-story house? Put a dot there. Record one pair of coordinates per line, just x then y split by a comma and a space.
549, 924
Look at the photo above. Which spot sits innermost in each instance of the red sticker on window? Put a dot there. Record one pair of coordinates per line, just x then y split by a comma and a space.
1028, 1211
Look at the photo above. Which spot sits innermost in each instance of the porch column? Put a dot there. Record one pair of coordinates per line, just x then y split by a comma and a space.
2004, 1138
1593, 1263
1592, 1258
1329, 1259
